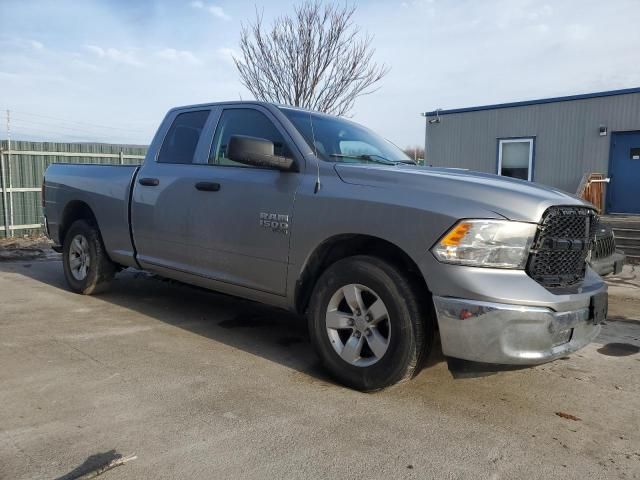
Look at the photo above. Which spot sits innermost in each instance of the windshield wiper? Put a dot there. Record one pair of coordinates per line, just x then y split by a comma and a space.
395, 162
370, 158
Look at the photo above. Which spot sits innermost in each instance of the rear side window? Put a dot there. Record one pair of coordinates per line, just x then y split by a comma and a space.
180, 143
244, 121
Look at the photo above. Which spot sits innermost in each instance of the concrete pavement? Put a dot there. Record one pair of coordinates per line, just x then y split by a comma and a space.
201, 385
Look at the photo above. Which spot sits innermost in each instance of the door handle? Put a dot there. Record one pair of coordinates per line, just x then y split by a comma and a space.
149, 182
208, 186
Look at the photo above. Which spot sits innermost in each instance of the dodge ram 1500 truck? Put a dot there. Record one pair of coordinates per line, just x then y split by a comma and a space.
319, 215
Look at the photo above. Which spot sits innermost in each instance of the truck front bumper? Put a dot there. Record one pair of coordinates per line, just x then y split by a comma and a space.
611, 264
513, 334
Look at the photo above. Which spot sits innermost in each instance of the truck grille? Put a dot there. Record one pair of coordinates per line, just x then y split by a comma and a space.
604, 245
559, 253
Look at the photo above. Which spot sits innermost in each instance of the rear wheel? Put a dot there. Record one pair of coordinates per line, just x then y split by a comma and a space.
367, 323
87, 268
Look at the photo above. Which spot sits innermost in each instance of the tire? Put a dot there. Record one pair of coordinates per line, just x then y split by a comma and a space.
87, 268
391, 348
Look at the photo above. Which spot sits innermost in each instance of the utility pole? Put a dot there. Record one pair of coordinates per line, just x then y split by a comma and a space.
3, 181
426, 137
10, 183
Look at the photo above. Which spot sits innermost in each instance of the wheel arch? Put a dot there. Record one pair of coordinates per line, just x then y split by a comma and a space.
346, 245
75, 210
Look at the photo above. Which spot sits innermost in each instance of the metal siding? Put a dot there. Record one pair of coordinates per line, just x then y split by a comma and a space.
27, 171
567, 142
27, 208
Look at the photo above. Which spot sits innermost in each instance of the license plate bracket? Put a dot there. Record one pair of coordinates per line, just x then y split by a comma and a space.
598, 308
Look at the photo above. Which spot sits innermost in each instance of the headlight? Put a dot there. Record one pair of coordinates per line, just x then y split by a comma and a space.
486, 243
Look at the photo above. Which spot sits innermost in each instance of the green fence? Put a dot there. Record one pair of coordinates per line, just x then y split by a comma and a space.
22, 165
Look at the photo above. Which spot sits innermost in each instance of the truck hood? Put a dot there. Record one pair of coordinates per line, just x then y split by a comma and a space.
510, 198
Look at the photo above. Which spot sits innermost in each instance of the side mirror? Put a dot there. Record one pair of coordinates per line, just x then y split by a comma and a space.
258, 152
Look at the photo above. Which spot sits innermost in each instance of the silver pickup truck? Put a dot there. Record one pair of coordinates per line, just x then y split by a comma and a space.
319, 215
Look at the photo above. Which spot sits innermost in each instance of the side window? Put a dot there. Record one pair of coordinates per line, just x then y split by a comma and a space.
244, 121
180, 143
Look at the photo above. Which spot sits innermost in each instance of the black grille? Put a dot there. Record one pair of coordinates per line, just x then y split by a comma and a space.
559, 253
604, 244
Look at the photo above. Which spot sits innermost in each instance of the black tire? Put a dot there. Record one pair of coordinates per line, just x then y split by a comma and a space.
410, 324
101, 269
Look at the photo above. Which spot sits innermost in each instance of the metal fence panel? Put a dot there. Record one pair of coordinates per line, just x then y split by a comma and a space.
24, 167
1, 214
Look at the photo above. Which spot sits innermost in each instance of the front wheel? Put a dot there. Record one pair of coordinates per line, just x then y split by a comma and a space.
87, 268
367, 324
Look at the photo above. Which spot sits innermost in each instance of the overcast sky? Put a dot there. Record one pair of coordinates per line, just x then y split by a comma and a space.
109, 70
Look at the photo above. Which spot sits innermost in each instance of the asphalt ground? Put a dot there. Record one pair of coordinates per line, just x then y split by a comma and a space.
200, 385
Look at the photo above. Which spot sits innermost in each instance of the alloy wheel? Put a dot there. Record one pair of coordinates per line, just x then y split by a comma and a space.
358, 325
79, 257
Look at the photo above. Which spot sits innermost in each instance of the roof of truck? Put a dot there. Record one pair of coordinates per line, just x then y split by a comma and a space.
226, 102
249, 102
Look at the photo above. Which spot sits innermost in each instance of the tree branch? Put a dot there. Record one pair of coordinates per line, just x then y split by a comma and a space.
315, 58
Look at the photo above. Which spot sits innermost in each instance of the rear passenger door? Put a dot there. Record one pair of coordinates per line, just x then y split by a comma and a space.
233, 240
161, 205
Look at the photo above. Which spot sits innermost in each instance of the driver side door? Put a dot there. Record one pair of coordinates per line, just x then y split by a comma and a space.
234, 241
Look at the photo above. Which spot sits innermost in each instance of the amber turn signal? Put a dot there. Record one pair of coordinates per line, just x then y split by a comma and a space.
455, 236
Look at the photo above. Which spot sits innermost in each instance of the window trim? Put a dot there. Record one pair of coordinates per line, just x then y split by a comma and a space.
168, 123
291, 144
532, 149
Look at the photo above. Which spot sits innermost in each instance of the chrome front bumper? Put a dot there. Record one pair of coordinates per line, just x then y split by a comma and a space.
511, 334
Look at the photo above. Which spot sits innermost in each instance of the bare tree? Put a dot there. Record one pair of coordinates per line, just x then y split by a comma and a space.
416, 152
315, 58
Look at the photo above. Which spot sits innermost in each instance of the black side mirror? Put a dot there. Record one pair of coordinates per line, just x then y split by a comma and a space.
258, 152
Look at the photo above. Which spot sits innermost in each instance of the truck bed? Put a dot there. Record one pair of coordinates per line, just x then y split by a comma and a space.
106, 190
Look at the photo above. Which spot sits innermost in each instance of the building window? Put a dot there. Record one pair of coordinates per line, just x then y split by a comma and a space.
515, 158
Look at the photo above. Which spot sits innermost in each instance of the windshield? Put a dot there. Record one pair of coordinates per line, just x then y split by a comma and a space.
339, 140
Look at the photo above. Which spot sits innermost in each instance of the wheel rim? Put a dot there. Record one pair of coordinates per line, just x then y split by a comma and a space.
79, 257
358, 325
